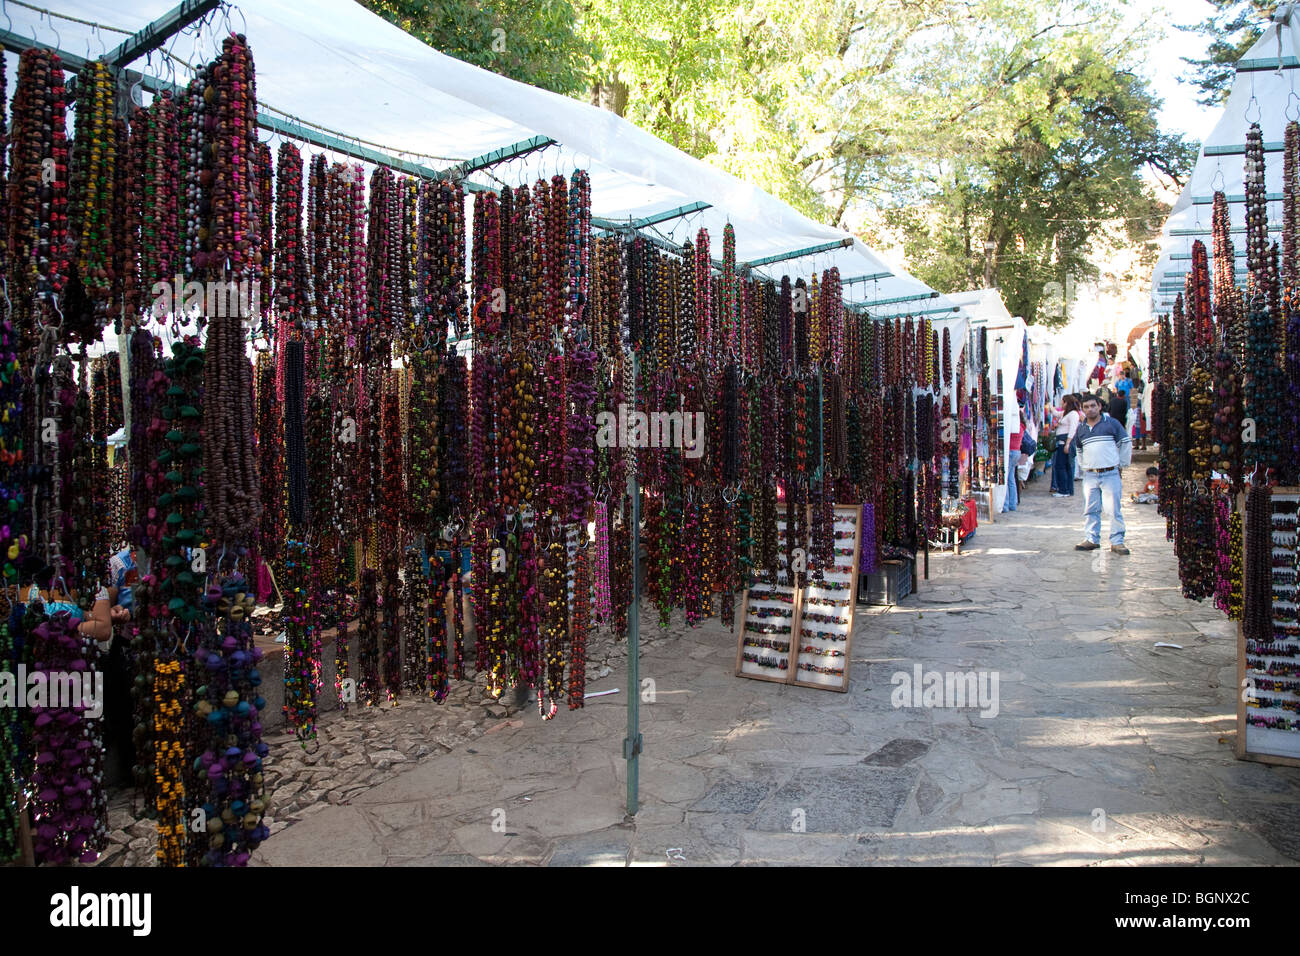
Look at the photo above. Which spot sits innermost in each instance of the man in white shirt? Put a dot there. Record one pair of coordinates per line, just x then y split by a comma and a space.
1104, 448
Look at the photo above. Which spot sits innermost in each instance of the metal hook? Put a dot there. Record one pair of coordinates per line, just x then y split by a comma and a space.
1253, 101
4, 8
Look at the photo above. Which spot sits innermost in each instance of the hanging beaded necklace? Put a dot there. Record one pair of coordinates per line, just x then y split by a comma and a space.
302, 647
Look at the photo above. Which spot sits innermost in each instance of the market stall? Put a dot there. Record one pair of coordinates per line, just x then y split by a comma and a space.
338, 373
1225, 363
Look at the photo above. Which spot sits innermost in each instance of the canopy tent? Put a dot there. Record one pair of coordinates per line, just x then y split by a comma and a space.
985, 304
1044, 350
333, 65
958, 328
1007, 334
1264, 92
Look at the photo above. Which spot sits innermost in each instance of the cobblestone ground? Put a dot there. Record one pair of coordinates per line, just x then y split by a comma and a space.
354, 750
1104, 750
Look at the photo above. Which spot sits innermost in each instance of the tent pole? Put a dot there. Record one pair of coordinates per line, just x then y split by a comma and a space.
632, 742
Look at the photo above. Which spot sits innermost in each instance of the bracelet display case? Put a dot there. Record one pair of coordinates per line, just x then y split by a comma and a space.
804, 635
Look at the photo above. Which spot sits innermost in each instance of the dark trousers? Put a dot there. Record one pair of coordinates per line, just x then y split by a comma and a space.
1062, 469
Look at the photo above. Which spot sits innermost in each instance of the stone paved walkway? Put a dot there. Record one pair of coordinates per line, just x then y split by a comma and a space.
1104, 750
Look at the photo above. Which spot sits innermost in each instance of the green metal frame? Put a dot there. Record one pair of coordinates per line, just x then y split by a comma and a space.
1237, 253
1266, 64
513, 151
612, 225
1235, 230
1209, 200
796, 254
949, 309
1240, 150
894, 301
18, 43
155, 34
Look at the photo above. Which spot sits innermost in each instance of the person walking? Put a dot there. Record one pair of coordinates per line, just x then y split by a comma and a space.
1063, 457
1104, 449
1013, 459
1117, 408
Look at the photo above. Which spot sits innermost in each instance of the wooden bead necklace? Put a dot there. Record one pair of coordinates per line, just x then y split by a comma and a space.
302, 646
38, 233
91, 201
368, 638
229, 730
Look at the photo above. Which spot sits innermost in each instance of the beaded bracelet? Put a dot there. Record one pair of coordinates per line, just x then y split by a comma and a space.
1273, 668
831, 586
780, 664
821, 652
1291, 687
1269, 703
768, 644
821, 669
823, 635
816, 618
1271, 650
828, 602
1273, 723
767, 628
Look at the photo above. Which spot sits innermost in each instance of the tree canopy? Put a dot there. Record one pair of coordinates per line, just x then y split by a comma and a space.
1001, 140
1233, 28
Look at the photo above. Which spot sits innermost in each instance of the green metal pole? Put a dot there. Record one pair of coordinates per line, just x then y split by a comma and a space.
632, 743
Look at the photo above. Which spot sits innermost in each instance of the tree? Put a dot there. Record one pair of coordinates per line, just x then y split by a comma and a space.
1233, 29
1035, 214
536, 42
1016, 124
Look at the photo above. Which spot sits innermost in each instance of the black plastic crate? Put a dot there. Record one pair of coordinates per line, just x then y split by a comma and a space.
888, 585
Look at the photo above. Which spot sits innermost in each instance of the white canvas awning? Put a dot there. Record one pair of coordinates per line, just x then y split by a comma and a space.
1264, 92
334, 64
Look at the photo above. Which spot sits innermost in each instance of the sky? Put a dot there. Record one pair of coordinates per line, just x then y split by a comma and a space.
1181, 113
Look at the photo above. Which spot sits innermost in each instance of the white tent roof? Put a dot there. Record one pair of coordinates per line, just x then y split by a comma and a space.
984, 305
1265, 96
334, 64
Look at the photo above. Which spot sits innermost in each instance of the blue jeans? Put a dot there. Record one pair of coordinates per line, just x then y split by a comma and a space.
1013, 457
1093, 485
1063, 470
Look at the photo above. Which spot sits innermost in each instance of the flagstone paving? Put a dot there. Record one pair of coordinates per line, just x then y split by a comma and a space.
1104, 749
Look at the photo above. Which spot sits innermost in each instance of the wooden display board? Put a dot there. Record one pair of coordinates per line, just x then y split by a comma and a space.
1267, 744
768, 617
776, 640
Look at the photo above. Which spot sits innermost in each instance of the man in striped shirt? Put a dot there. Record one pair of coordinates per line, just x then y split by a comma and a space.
1104, 448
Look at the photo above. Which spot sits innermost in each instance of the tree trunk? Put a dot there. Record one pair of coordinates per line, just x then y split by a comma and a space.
610, 94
